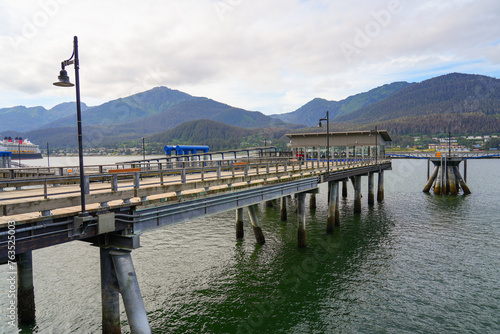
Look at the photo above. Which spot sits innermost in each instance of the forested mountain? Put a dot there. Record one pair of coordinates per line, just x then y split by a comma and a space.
459, 103
127, 109
23, 119
448, 94
203, 132
311, 112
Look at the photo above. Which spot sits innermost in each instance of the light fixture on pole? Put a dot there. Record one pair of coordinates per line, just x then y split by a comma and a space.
64, 82
327, 119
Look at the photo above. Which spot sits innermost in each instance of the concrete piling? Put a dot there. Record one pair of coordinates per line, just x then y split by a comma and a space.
312, 201
371, 189
357, 194
25, 289
446, 177
257, 230
283, 213
344, 188
380, 190
239, 224
431, 179
452, 185
438, 182
301, 220
332, 206
337, 208
461, 182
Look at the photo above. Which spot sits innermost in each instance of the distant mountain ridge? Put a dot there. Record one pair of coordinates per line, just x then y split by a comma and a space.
450, 93
311, 112
460, 103
22, 119
162, 108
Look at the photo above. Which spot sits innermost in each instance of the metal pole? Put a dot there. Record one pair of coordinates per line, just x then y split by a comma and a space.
327, 142
79, 123
131, 294
376, 145
449, 143
143, 150
48, 155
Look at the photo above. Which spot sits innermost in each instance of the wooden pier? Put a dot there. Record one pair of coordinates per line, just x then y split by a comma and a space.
130, 199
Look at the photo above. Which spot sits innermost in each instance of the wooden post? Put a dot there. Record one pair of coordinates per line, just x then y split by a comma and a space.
380, 191
25, 289
257, 230
283, 213
357, 194
109, 294
301, 220
239, 223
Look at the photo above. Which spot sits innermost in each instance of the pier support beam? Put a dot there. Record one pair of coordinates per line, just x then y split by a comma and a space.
431, 179
312, 201
344, 189
301, 220
371, 189
131, 294
283, 213
257, 230
357, 194
332, 206
380, 190
239, 224
452, 181
25, 289
337, 207
461, 182
109, 294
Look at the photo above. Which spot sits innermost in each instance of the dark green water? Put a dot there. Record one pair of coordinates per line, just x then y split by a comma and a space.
415, 263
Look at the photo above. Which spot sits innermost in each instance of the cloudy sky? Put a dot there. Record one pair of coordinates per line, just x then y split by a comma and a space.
271, 56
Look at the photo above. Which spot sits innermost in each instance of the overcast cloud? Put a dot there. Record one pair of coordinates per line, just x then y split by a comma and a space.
270, 56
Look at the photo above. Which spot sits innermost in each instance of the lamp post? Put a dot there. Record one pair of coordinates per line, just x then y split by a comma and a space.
64, 82
376, 143
143, 150
449, 143
327, 119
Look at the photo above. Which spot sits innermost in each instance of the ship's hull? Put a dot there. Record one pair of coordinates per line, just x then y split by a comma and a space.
26, 156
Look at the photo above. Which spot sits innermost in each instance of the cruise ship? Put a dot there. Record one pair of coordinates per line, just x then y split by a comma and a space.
20, 148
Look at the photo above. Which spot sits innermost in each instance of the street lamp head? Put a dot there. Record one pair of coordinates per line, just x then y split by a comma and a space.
63, 80
320, 125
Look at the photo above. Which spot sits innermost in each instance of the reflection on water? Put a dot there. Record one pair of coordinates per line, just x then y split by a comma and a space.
414, 263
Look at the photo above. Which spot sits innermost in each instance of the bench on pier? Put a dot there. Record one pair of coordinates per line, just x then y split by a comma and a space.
240, 163
125, 170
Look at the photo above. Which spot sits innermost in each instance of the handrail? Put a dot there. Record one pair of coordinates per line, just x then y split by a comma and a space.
193, 177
